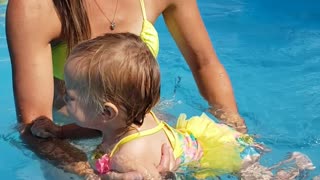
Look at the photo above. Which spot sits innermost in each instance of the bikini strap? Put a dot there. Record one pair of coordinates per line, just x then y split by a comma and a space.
169, 131
155, 117
143, 10
135, 136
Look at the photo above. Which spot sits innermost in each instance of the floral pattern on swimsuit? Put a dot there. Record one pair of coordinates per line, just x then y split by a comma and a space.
190, 148
247, 146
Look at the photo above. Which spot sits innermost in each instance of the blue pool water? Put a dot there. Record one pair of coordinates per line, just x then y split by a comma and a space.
271, 50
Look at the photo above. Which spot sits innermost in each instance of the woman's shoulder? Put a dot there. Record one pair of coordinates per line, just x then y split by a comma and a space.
31, 15
170, 3
32, 9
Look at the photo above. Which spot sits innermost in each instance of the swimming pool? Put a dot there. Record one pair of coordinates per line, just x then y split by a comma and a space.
271, 50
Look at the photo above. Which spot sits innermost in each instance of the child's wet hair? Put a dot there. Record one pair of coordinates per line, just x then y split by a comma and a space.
117, 68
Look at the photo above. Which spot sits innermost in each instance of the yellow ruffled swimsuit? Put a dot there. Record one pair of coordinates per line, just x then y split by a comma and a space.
148, 34
223, 148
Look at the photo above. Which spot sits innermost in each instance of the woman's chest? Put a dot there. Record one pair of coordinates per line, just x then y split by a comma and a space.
114, 16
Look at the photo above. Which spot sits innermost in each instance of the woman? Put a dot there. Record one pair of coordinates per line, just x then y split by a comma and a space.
41, 33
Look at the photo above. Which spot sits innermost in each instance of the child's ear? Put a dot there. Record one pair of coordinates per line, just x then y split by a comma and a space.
110, 111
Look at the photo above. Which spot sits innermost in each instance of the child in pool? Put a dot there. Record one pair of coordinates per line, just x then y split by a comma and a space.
112, 83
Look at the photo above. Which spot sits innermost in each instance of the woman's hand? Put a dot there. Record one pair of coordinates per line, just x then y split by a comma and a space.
167, 162
45, 128
195, 44
229, 118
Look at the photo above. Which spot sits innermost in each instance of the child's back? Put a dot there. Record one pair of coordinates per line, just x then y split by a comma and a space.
143, 145
201, 144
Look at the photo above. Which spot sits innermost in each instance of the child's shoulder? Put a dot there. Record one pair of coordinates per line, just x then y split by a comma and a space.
135, 147
145, 143
142, 146
146, 147
138, 155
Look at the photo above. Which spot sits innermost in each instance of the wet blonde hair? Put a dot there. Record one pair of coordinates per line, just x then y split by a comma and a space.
117, 68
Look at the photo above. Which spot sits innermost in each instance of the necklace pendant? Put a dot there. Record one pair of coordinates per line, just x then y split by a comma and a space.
112, 26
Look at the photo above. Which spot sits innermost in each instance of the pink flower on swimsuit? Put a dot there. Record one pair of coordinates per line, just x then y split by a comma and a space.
103, 164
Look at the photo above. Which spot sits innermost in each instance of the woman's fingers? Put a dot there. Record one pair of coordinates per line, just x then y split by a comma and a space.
92, 177
165, 159
168, 162
133, 175
42, 127
177, 164
172, 161
43, 134
36, 129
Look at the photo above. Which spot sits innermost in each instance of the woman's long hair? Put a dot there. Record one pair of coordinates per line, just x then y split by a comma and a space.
74, 20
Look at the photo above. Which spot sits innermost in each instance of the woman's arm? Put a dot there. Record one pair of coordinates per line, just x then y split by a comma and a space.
57, 152
30, 26
187, 28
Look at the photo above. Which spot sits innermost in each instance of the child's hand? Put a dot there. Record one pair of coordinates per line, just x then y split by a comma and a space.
44, 127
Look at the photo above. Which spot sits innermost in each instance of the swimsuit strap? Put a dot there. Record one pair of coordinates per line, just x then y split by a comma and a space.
137, 135
143, 10
155, 117
169, 131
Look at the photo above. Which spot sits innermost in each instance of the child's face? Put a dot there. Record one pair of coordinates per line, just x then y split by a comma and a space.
84, 115
74, 107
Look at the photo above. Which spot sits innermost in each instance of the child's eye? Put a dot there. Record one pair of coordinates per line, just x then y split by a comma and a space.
66, 98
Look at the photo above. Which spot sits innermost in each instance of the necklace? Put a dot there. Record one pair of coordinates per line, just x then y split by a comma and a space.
112, 23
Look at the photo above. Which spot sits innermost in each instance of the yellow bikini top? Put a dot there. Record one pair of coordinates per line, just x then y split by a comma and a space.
169, 131
148, 34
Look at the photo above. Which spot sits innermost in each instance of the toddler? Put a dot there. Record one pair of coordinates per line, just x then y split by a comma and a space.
112, 84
